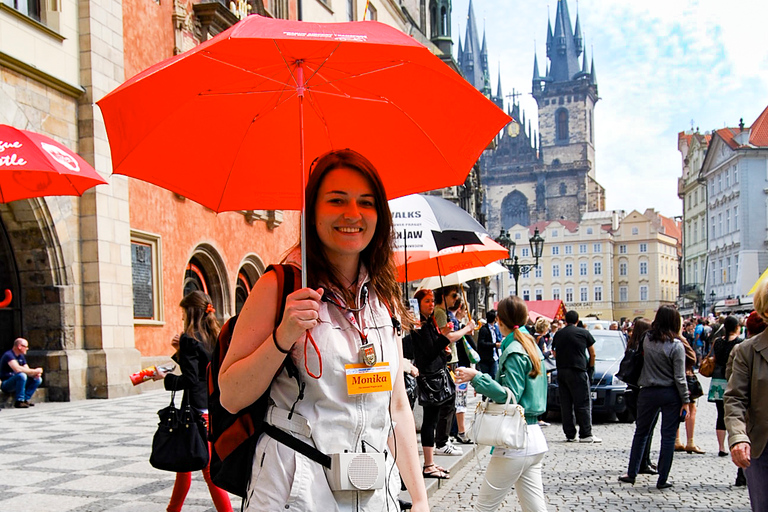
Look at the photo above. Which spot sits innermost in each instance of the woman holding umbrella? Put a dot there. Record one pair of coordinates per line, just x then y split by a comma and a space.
347, 314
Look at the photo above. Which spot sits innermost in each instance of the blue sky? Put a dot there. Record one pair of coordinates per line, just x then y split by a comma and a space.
662, 67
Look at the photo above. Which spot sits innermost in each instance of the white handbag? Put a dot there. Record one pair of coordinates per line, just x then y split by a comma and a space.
501, 425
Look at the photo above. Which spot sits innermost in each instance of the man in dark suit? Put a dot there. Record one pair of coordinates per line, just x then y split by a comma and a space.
486, 346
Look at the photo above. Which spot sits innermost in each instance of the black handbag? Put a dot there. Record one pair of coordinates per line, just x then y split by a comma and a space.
436, 388
181, 441
631, 365
694, 387
410, 387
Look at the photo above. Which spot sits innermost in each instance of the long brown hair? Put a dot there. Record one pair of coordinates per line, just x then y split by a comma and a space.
377, 256
666, 324
639, 327
200, 319
513, 313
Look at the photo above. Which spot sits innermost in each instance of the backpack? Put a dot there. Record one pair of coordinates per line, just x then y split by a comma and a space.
233, 437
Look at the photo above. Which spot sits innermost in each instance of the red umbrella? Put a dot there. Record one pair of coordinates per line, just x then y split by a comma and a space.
422, 264
228, 123
33, 165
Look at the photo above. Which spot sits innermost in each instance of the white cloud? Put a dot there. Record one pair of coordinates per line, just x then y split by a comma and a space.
661, 66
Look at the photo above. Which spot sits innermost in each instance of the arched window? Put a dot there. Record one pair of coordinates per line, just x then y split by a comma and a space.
443, 21
206, 272
514, 210
250, 271
433, 20
563, 188
561, 125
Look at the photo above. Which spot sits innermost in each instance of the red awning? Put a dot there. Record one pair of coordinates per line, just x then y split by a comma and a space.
550, 309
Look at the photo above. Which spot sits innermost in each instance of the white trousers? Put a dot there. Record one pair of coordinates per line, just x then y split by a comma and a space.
504, 472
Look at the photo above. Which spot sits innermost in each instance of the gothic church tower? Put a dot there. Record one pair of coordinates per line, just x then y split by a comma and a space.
549, 175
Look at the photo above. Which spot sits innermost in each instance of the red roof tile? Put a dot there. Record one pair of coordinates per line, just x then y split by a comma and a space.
759, 129
671, 227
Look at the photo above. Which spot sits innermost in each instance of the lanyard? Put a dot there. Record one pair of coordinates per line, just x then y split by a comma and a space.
367, 350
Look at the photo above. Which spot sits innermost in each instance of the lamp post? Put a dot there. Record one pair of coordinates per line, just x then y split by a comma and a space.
712, 297
513, 265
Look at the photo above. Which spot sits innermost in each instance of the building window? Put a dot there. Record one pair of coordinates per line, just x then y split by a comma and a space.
525, 252
582, 248
597, 248
643, 293
568, 269
735, 218
720, 182
583, 294
722, 278
623, 295
146, 257
728, 221
589, 231
598, 268
563, 188
555, 250
569, 295
556, 270
518, 236
695, 272
643, 268
370, 14
728, 269
643, 247
526, 294
555, 293
538, 272
735, 174
29, 8
622, 249
582, 268
695, 231
622, 269
712, 223
598, 293
712, 187
554, 233
728, 178
561, 122
539, 294
568, 249
280, 9
635, 231
735, 267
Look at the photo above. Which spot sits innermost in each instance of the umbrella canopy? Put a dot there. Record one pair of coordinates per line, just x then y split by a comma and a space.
33, 165
450, 260
431, 223
462, 276
227, 124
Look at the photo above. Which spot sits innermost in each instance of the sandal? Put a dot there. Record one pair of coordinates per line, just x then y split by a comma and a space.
434, 472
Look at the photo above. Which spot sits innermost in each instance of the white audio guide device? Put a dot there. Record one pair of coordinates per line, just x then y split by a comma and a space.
356, 471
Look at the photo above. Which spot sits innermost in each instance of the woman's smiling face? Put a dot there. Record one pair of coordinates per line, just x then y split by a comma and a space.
345, 213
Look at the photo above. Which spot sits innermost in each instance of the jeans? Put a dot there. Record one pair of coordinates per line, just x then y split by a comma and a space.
757, 476
21, 386
650, 402
490, 369
523, 473
573, 387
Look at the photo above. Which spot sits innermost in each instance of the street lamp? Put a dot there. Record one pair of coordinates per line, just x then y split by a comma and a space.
512, 264
712, 300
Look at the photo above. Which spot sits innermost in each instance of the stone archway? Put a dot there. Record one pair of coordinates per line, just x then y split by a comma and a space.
251, 269
514, 210
205, 271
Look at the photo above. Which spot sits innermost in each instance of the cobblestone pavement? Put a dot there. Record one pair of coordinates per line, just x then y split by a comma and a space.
583, 477
92, 456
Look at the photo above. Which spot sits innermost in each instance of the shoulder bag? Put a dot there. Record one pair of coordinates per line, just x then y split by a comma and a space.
631, 365
501, 425
436, 388
707, 366
181, 442
694, 387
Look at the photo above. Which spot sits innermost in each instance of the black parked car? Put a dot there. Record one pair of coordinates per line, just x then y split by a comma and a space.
607, 390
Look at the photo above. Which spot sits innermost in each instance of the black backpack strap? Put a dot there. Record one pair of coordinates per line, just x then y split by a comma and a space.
288, 280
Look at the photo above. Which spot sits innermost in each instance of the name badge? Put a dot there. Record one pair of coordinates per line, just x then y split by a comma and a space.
362, 378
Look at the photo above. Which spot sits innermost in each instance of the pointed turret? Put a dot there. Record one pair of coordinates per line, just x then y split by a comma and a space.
472, 57
577, 37
549, 37
499, 99
461, 51
584, 68
536, 83
564, 56
592, 72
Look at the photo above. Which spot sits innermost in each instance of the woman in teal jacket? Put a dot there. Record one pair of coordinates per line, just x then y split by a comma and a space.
521, 371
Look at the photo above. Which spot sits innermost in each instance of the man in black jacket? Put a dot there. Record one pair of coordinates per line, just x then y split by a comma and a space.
570, 345
487, 345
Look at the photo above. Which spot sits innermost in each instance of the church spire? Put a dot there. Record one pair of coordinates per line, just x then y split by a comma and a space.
565, 54
592, 73
536, 77
549, 36
577, 37
584, 68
